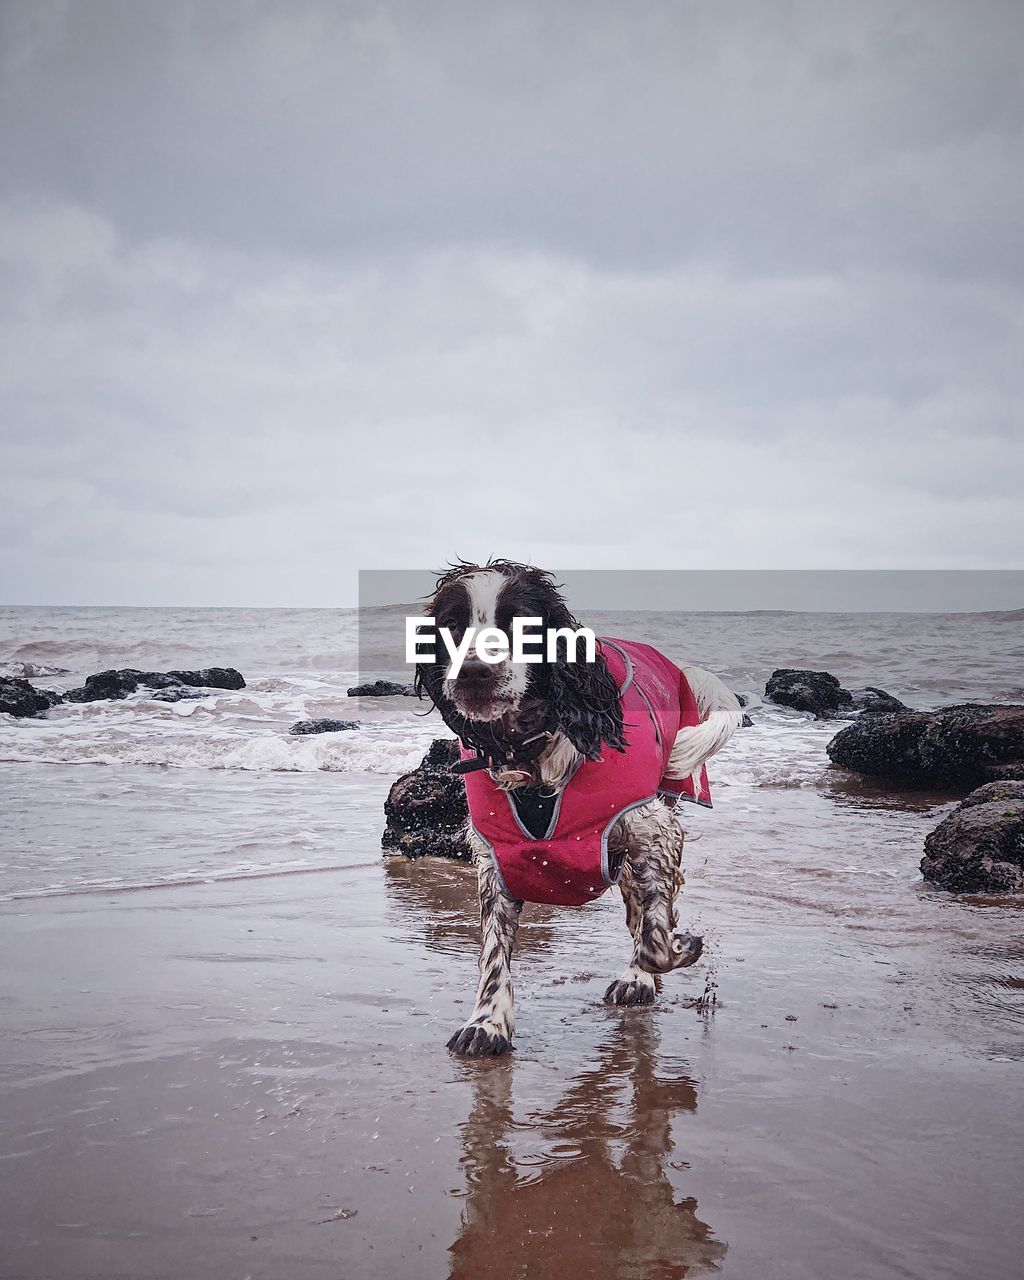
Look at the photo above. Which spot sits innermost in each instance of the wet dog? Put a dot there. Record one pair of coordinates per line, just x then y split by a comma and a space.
573, 770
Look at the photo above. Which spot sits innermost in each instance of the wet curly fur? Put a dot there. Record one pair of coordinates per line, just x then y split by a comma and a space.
578, 699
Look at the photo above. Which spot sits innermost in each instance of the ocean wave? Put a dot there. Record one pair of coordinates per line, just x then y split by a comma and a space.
353, 752
247, 731
781, 749
30, 670
243, 730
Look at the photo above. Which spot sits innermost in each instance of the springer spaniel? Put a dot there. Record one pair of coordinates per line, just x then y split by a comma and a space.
572, 771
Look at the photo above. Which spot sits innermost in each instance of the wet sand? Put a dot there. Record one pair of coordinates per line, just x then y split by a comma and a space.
248, 1078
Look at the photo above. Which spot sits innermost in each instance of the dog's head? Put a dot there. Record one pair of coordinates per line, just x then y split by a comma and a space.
507, 703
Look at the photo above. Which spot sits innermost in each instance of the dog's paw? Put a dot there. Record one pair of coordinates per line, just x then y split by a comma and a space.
630, 993
479, 1040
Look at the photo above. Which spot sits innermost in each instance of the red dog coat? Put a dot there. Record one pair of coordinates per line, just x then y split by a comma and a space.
569, 865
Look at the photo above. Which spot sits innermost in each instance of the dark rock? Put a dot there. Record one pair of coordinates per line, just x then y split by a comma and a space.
382, 689
815, 691
979, 848
744, 701
872, 701
322, 726
18, 698
426, 811
961, 746
178, 693
824, 697
208, 678
119, 684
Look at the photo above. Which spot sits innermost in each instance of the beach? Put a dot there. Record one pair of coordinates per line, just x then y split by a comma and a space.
224, 1013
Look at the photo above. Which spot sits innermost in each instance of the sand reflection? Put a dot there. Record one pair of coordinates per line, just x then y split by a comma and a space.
581, 1189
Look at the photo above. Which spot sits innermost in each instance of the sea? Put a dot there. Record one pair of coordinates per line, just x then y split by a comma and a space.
299, 663
223, 1013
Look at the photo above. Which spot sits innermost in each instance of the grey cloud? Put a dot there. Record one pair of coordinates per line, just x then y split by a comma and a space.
289, 290
781, 136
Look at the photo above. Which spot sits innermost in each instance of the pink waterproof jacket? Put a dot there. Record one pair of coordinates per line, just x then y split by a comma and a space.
568, 864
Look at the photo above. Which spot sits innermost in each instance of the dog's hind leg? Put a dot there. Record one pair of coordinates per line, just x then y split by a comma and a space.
634, 986
654, 853
489, 1030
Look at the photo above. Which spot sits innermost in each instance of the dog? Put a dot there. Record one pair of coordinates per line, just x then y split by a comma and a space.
572, 771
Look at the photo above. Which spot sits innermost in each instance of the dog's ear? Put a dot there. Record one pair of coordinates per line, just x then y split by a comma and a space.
583, 696
585, 701
429, 674
427, 680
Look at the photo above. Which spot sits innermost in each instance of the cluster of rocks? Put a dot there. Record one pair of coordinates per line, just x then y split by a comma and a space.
821, 694
980, 847
19, 698
376, 689
119, 684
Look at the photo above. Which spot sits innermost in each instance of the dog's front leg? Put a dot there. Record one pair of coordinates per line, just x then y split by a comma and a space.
654, 852
489, 1030
634, 986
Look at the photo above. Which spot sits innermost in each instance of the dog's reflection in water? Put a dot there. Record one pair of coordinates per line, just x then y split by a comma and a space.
436, 902
599, 1204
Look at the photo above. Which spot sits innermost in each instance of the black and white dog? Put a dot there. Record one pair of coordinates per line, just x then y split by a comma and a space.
532, 726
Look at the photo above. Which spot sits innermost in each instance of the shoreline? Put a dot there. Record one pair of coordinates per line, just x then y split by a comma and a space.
260, 1057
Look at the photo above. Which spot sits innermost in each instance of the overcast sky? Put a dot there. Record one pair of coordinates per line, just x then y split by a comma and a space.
294, 289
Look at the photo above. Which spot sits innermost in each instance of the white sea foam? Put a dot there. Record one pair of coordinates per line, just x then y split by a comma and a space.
781, 748
357, 751
29, 670
245, 730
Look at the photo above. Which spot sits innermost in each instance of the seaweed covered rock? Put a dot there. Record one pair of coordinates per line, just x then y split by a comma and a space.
19, 698
815, 691
382, 689
117, 684
426, 809
303, 727
954, 747
979, 848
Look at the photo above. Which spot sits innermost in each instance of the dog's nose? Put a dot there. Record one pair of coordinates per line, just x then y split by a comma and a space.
476, 671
